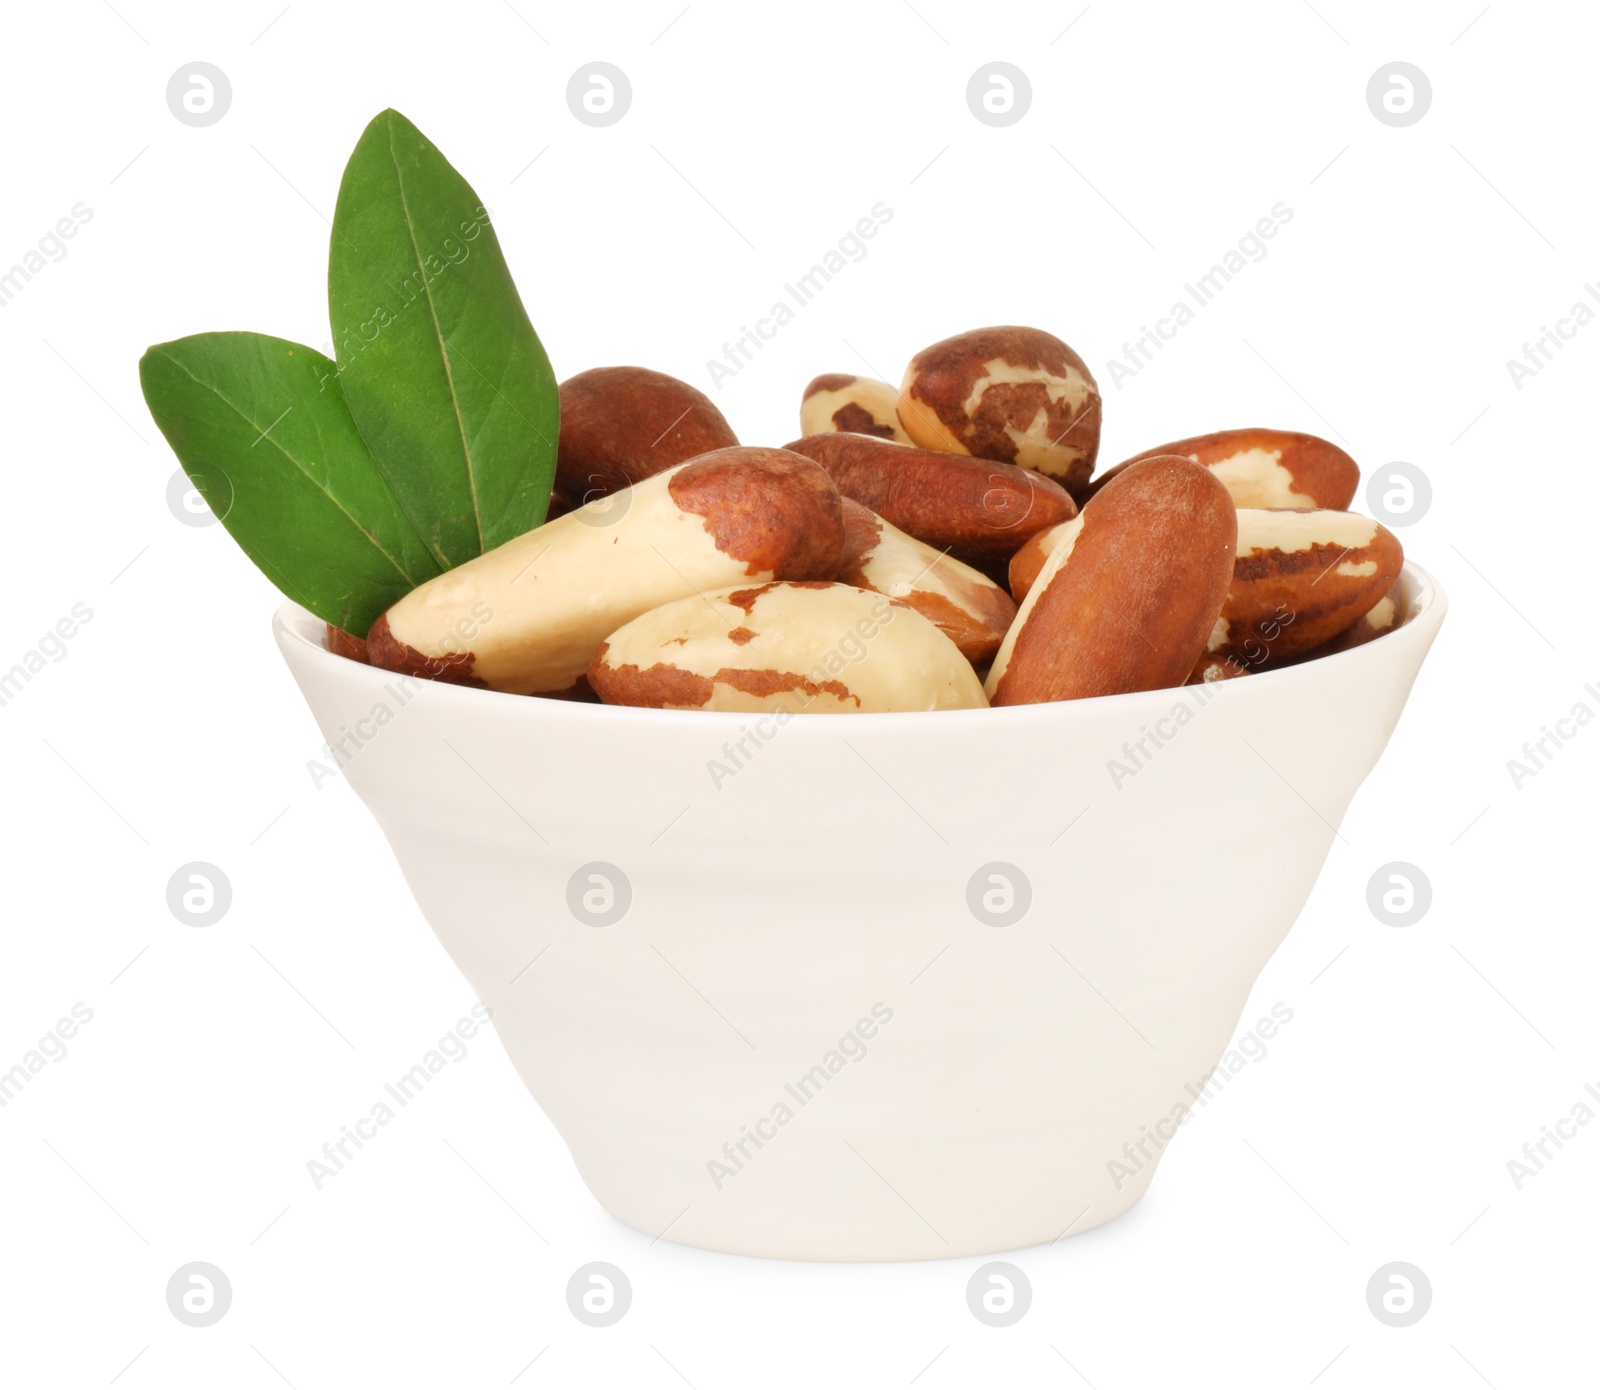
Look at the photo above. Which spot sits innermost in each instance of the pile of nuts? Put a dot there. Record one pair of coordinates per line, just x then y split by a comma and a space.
945, 545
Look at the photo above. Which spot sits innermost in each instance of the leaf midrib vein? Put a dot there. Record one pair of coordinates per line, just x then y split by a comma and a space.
444, 351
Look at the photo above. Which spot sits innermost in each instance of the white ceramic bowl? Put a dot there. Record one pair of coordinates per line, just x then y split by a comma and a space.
704, 1057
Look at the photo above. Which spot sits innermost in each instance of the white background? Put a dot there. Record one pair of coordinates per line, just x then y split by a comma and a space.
1419, 1060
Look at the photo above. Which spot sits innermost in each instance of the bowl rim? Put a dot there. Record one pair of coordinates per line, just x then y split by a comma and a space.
298, 629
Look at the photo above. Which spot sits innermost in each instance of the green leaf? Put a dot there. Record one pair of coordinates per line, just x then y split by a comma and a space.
445, 376
263, 431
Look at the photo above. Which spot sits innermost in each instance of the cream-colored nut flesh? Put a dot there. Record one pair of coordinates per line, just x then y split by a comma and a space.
1254, 477
1213, 669
1060, 541
550, 597
1294, 530
1382, 616
1257, 478
811, 648
527, 616
840, 403
967, 606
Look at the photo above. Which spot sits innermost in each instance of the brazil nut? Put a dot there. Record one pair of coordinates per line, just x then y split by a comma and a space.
527, 616
1128, 595
978, 510
1014, 395
837, 402
968, 607
817, 648
1300, 578
1265, 468
621, 425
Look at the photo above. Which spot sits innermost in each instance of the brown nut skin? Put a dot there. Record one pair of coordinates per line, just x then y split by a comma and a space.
1130, 594
1300, 578
580, 693
1029, 560
967, 606
1015, 395
559, 504
840, 402
1263, 468
620, 425
978, 510
1383, 617
389, 653
777, 511
342, 643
